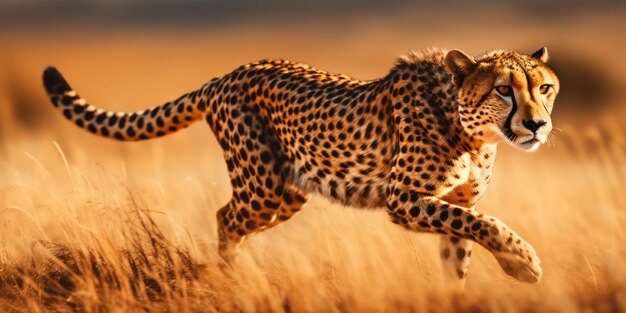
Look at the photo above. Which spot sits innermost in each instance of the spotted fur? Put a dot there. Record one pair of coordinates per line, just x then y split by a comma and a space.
420, 141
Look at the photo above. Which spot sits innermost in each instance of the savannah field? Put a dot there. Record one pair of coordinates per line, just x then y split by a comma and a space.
93, 225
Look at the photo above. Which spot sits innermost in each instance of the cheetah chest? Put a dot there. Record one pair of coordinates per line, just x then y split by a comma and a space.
475, 173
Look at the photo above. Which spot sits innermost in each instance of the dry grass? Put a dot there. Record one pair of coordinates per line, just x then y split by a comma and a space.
95, 225
99, 237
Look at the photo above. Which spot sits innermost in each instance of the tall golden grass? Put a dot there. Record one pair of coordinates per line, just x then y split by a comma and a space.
94, 225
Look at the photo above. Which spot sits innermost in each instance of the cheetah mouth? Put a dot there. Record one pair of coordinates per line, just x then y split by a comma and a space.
526, 142
529, 145
530, 142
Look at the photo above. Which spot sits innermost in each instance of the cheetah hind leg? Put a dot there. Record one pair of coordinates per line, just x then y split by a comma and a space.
228, 237
293, 200
235, 224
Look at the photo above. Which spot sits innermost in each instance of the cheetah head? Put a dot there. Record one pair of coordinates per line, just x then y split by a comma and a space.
505, 96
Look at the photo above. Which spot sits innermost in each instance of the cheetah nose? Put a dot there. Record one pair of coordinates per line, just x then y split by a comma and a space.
533, 125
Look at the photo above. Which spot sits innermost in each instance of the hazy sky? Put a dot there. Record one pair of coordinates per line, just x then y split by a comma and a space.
18, 13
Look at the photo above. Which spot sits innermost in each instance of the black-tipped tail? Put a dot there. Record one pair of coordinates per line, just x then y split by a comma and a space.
155, 122
54, 81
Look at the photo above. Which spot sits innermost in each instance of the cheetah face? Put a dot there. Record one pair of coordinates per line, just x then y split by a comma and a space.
505, 96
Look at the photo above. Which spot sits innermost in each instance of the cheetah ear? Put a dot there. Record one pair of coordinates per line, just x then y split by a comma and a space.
541, 54
459, 64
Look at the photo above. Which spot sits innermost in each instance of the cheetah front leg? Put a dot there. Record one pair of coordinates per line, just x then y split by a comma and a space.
423, 213
455, 254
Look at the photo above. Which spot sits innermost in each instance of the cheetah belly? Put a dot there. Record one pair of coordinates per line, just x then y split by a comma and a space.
345, 171
344, 179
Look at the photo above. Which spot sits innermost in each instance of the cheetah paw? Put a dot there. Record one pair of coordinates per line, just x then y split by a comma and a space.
523, 266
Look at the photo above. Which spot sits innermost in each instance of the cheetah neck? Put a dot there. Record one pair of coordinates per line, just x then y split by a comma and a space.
424, 98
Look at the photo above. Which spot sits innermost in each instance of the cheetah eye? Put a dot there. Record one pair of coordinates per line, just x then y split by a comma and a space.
504, 90
544, 89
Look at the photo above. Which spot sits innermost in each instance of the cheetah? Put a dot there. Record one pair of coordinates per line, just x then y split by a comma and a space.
419, 142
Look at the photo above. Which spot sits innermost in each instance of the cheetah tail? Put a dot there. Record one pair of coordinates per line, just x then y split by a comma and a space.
155, 122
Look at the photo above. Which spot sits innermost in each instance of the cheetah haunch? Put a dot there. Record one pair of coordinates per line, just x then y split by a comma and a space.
420, 141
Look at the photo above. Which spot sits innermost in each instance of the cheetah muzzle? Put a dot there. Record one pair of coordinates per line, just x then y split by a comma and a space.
420, 142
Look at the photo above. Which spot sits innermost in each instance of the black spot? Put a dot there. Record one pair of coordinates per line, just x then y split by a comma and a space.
443, 216
445, 253
431, 209
248, 120
255, 205
89, 115
287, 198
266, 157
100, 118
250, 224
460, 253
244, 197
130, 132
78, 109
456, 224
270, 204
122, 122
460, 273
92, 128
112, 120
155, 111
67, 100
140, 123
245, 213
224, 144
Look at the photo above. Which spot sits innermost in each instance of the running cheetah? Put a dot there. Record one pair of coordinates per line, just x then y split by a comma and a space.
420, 142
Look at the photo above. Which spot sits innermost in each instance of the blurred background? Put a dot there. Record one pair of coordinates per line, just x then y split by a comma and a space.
208, 38
157, 49
127, 55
